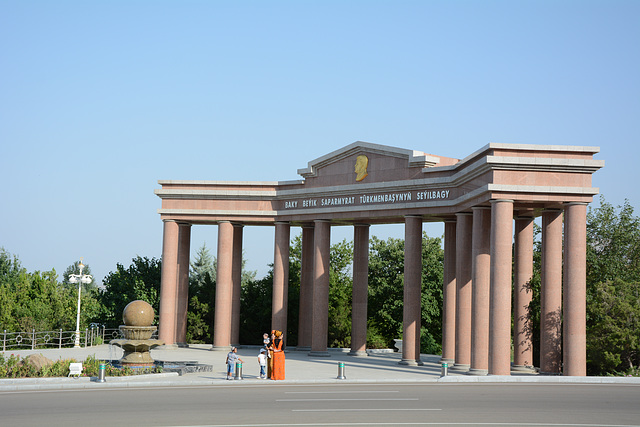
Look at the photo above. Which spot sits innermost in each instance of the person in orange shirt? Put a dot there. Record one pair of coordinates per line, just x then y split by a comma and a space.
277, 373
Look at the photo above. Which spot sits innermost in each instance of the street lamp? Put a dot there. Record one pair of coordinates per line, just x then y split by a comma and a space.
79, 279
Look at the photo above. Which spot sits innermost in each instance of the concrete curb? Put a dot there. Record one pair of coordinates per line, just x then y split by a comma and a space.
171, 380
538, 379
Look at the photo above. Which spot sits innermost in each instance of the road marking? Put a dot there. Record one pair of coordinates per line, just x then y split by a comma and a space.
364, 410
413, 424
342, 392
340, 400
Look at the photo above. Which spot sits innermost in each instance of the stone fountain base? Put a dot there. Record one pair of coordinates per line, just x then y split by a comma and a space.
136, 346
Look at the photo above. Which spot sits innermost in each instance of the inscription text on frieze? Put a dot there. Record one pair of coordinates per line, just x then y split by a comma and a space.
364, 199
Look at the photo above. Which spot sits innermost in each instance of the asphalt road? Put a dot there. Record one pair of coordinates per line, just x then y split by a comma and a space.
272, 404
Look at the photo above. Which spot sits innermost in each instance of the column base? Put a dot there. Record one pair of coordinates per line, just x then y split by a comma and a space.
557, 374
358, 353
460, 367
523, 368
319, 354
411, 362
168, 347
182, 344
303, 348
478, 372
220, 348
449, 362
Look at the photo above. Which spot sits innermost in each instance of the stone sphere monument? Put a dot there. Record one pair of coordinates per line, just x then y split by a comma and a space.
137, 330
138, 313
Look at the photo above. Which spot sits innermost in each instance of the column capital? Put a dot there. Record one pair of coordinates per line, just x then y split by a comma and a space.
479, 208
464, 214
501, 200
565, 204
359, 224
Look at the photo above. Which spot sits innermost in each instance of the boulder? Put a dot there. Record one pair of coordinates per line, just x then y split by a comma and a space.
38, 361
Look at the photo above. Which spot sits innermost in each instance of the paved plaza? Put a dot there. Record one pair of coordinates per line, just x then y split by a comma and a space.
300, 368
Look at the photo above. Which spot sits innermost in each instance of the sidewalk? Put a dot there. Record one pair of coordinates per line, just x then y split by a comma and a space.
300, 368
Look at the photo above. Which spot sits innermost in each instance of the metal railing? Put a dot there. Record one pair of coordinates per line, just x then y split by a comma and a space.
94, 335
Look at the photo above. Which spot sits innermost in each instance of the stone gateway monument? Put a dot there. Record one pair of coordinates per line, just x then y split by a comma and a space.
487, 201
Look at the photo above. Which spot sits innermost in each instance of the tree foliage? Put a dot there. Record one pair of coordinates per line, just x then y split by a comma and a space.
613, 244
140, 281
202, 294
614, 342
38, 301
75, 269
386, 292
613, 283
340, 294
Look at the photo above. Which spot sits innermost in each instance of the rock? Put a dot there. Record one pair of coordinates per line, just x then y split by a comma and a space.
38, 361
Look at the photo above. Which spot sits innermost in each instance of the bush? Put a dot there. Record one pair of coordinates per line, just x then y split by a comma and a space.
16, 367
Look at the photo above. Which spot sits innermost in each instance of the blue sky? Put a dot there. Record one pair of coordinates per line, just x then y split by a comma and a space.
99, 100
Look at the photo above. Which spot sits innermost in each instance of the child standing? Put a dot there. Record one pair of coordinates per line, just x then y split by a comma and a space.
262, 361
232, 358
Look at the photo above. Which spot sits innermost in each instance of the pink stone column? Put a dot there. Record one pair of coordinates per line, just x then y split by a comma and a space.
481, 279
551, 292
449, 295
464, 233
182, 303
169, 283
306, 290
500, 304
575, 290
360, 290
412, 315
522, 326
280, 278
236, 279
224, 288
320, 323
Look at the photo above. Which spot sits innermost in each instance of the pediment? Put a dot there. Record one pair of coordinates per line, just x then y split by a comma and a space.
385, 163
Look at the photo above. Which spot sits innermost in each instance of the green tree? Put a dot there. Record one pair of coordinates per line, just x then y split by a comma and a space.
38, 301
613, 244
255, 318
613, 274
140, 281
432, 279
385, 303
75, 269
340, 294
614, 342
202, 289
613, 271
257, 297
10, 272
386, 289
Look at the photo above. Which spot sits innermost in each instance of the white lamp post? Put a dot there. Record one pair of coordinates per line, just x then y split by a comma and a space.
79, 279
